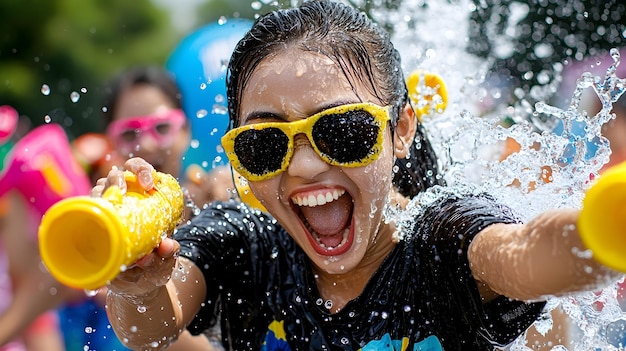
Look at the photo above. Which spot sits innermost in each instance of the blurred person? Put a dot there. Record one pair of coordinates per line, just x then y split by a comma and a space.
27, 321
28, 294
144, 118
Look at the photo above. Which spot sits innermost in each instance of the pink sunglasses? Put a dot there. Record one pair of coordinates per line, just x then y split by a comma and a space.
162, 127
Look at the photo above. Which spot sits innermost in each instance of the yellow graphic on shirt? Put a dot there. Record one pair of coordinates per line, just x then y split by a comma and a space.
279, 329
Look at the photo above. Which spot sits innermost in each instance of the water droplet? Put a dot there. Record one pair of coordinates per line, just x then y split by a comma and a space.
45, 89
274, 253
141, 309
202, 113
219, 109
74, 96
91, 293
47, 119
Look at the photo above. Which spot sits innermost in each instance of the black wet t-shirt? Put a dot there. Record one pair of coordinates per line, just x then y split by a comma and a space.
262, 292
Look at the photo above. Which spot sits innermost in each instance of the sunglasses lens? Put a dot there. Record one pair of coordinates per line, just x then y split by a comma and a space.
347, 137
261, 151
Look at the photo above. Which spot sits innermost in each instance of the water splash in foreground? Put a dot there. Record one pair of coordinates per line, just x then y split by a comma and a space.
544, 170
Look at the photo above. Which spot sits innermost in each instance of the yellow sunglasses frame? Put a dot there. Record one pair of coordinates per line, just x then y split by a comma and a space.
381, 116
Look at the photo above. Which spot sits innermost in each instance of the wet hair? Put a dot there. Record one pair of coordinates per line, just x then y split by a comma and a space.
359, 47
140, 75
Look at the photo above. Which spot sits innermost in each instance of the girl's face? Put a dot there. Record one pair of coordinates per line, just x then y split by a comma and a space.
334, 213
146, 124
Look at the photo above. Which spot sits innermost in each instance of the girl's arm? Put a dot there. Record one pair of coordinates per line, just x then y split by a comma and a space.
150, 304
534, 260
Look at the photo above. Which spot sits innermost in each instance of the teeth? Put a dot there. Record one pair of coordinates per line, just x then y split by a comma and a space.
321, 199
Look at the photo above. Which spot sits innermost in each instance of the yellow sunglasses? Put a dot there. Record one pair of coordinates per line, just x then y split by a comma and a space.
347, 135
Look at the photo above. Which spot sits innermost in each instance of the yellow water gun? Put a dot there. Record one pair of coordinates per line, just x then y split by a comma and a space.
602, 218
87, 241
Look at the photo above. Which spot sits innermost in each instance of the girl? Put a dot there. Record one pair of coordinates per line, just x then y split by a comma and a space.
323, 130
144, 118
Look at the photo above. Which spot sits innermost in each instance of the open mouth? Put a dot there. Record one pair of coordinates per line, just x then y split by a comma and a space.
326, 216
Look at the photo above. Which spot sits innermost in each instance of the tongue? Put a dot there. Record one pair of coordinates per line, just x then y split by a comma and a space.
329, 219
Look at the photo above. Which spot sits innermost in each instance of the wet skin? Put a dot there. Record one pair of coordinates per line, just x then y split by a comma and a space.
293, 85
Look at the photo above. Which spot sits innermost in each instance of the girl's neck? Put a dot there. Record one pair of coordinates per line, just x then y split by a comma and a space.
339, 289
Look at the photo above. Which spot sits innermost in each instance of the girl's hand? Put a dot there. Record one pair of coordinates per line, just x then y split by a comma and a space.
137, 165
148, 273
155, 269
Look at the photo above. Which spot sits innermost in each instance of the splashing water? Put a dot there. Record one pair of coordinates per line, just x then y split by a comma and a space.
550, 169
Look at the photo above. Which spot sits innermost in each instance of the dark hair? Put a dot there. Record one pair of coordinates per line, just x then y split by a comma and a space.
361, 49
149, 75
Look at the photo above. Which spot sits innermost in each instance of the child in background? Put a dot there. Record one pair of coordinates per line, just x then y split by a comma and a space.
323, 130
145, 119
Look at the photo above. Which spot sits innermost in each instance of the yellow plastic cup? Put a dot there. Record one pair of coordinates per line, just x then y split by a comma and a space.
428, 93
85, 241
602, 220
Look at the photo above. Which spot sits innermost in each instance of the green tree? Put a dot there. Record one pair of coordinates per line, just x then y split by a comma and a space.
56, 55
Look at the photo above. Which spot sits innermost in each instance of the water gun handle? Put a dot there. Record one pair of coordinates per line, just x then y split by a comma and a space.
602, 221
85, 241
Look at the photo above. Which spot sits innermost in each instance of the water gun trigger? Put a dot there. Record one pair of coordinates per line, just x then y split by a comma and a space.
427, 92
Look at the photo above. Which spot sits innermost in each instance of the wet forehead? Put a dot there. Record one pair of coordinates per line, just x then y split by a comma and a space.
296, 82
